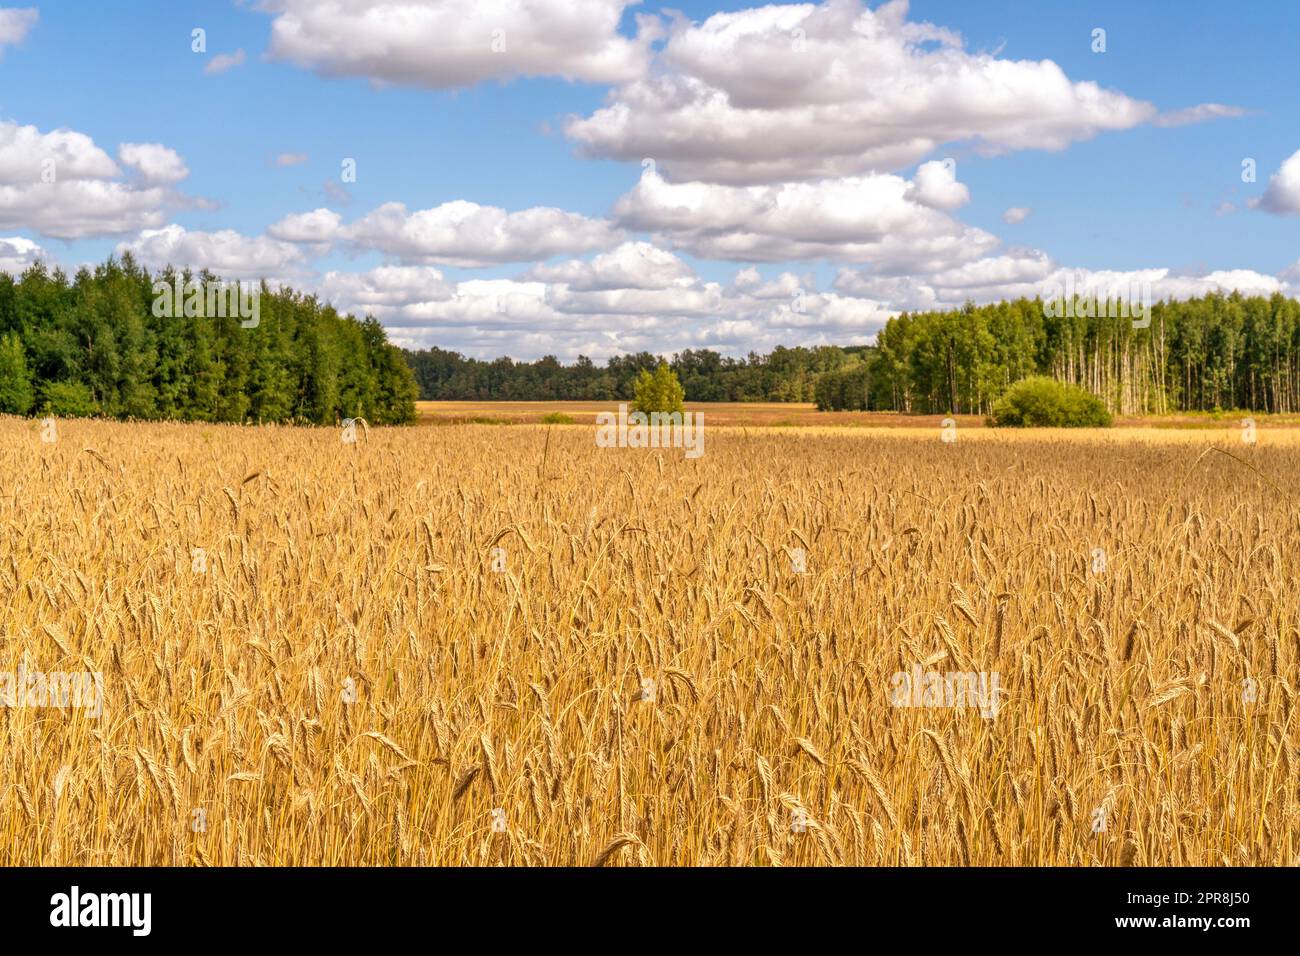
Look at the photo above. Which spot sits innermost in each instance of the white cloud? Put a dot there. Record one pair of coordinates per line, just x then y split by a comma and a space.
1167, 285
387, 290
80, 208
935, 185
15, 24
526, 318
1198, 114
1016, 215
17, 253
1027, 273
462, 233
1283, 193
225, 253
633, 265
855, 219
687, 299
452, 43
224, 61
157, 165
318, 226
785, 286
61, 184
780, 93
1019, 272
25, 151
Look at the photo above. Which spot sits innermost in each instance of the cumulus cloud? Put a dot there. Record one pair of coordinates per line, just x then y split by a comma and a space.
17, 253
1016, 215
785, 286
318, 226
61, 184
387, 290
780, 93
15, 24
156, 165
224, 61
633, 265
857, 219
80, 208
1030, 273
225, 253
462, 233
26, 154
687, 299
1011, 274
1283, 193
457, 233
453, 43
660, 309
935, 185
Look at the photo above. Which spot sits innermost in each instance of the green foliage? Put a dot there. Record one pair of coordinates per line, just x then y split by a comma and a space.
67, 400
659, 391
557, 418
786, 375
94, 345
1039, 401
845, 389
16, 393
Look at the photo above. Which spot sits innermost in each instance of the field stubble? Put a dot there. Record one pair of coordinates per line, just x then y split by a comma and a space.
647, 680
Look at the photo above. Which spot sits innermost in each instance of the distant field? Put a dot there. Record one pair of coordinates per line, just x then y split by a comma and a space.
715, 413
795, 414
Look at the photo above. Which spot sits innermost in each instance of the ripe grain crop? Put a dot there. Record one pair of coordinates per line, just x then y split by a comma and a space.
503, 645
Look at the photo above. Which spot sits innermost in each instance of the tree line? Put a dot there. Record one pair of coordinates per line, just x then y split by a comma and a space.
784, 375
1214, 352
97, 345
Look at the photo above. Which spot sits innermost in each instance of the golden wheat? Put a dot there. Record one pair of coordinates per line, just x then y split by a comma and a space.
505, 645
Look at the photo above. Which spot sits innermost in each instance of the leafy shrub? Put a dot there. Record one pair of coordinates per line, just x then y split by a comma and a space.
1044, 402
557, 418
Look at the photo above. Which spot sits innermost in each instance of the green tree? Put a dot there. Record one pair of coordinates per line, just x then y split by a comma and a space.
848, 388
117, 341
16, 395
658, 391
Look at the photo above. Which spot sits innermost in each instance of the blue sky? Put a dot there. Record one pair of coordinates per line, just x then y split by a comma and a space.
1143, 196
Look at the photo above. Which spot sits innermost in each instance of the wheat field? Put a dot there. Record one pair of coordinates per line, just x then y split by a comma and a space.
486, 645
